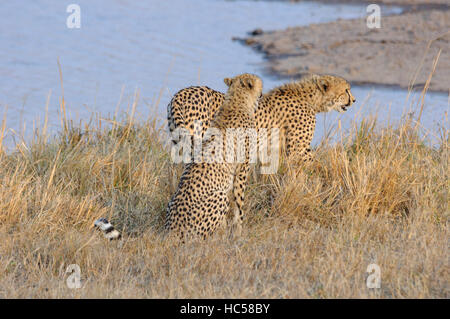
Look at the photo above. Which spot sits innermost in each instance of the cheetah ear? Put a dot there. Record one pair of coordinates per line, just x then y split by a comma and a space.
324, 85
248, 83
228, 81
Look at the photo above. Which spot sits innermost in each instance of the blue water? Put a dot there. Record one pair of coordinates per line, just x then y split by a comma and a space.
156, 48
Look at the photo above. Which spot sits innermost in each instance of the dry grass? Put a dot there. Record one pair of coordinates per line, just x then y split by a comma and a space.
380, 196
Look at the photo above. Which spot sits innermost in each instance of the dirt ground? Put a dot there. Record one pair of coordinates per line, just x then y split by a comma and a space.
401, 52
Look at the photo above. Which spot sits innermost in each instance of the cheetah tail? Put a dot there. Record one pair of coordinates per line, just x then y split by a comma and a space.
107, 229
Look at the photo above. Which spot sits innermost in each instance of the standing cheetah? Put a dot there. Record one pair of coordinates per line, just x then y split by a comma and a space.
291, 108
201, 202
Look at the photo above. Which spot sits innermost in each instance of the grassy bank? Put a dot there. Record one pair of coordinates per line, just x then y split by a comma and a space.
380, 196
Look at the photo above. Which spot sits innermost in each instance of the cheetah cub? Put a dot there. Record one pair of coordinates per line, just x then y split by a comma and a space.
207, 189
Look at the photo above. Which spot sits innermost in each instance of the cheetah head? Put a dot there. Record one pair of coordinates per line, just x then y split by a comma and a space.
336, 94
248, 84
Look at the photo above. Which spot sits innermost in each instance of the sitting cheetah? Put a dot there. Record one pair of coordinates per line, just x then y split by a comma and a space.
200, 204
207, 189
290, 107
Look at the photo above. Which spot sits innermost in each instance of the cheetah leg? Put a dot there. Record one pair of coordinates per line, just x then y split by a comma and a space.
173, 178
298, 153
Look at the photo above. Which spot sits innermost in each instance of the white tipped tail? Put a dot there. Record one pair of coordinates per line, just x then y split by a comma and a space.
107, 229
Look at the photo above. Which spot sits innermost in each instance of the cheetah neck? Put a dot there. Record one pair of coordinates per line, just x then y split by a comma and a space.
305, 91
281, 102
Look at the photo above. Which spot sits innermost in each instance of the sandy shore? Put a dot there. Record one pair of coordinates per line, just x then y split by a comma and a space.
401, 51
388, 2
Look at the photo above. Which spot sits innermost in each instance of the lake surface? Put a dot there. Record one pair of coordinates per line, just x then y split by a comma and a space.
156, 47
